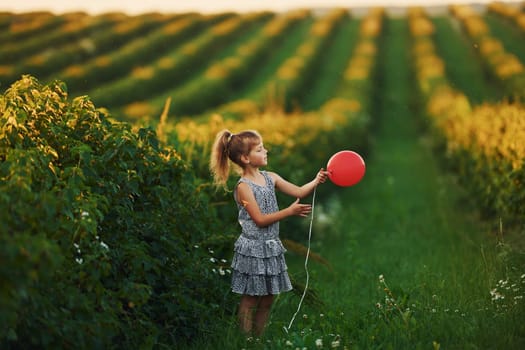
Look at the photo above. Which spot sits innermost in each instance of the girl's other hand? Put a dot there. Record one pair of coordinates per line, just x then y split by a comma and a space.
300, 209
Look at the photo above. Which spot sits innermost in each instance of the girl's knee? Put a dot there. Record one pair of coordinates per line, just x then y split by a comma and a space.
249, 301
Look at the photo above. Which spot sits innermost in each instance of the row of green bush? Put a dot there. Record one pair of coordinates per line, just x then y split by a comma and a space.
104, 232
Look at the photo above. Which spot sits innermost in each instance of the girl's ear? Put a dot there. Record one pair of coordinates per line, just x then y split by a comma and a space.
245, 159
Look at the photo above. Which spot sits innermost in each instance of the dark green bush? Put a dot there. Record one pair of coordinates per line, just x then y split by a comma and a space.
103, 230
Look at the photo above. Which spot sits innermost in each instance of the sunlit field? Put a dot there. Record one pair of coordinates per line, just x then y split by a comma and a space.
113, 236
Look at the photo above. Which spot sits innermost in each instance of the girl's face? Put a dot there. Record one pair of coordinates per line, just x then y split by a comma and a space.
258, 155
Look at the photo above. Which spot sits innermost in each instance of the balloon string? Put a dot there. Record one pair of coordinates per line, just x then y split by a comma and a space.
305, 264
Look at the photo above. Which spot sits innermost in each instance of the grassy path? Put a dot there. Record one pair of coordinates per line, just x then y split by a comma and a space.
412, 266
404, 222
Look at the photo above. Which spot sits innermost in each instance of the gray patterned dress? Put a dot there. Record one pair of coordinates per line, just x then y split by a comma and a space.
258, 264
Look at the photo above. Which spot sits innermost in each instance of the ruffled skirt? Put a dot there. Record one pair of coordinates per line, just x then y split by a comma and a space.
259, 267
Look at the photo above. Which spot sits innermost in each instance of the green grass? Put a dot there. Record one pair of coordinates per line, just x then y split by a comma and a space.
408, 222
464, 68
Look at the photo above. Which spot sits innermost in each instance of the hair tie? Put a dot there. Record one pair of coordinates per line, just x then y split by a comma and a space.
230, 138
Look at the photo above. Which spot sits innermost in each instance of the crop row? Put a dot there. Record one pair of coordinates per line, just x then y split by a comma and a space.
177, 65
501, 63
213, 84
343, 119
136, 64
482, 142
77, 40
228, 74
26, 25
116, 64
514, 14
104, 32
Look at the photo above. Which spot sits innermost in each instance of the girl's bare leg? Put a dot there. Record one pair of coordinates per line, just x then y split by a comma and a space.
247, 307
262, 313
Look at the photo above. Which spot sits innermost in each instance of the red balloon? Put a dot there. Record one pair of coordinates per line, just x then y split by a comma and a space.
346, 168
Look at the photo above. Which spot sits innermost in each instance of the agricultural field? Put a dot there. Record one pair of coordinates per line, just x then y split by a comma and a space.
107, 124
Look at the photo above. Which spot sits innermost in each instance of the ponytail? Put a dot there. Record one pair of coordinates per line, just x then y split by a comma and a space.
228, 146
219, 165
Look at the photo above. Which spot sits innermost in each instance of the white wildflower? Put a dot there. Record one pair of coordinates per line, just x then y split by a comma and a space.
496, 295
79, 261
104, 245
381, 279
319, 343
336, 343
289, 343
213, 260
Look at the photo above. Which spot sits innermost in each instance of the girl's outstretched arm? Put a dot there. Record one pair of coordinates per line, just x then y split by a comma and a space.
299, 191
247, 200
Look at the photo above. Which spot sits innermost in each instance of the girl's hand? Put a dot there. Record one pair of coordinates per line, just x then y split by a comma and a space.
300, 209
321, 176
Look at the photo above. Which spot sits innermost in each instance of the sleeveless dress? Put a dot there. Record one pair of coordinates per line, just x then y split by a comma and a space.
258, 264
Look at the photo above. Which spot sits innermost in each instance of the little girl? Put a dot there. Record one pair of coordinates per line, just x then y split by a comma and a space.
259, 267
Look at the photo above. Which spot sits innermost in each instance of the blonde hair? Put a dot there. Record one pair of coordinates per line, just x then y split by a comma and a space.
228, 146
